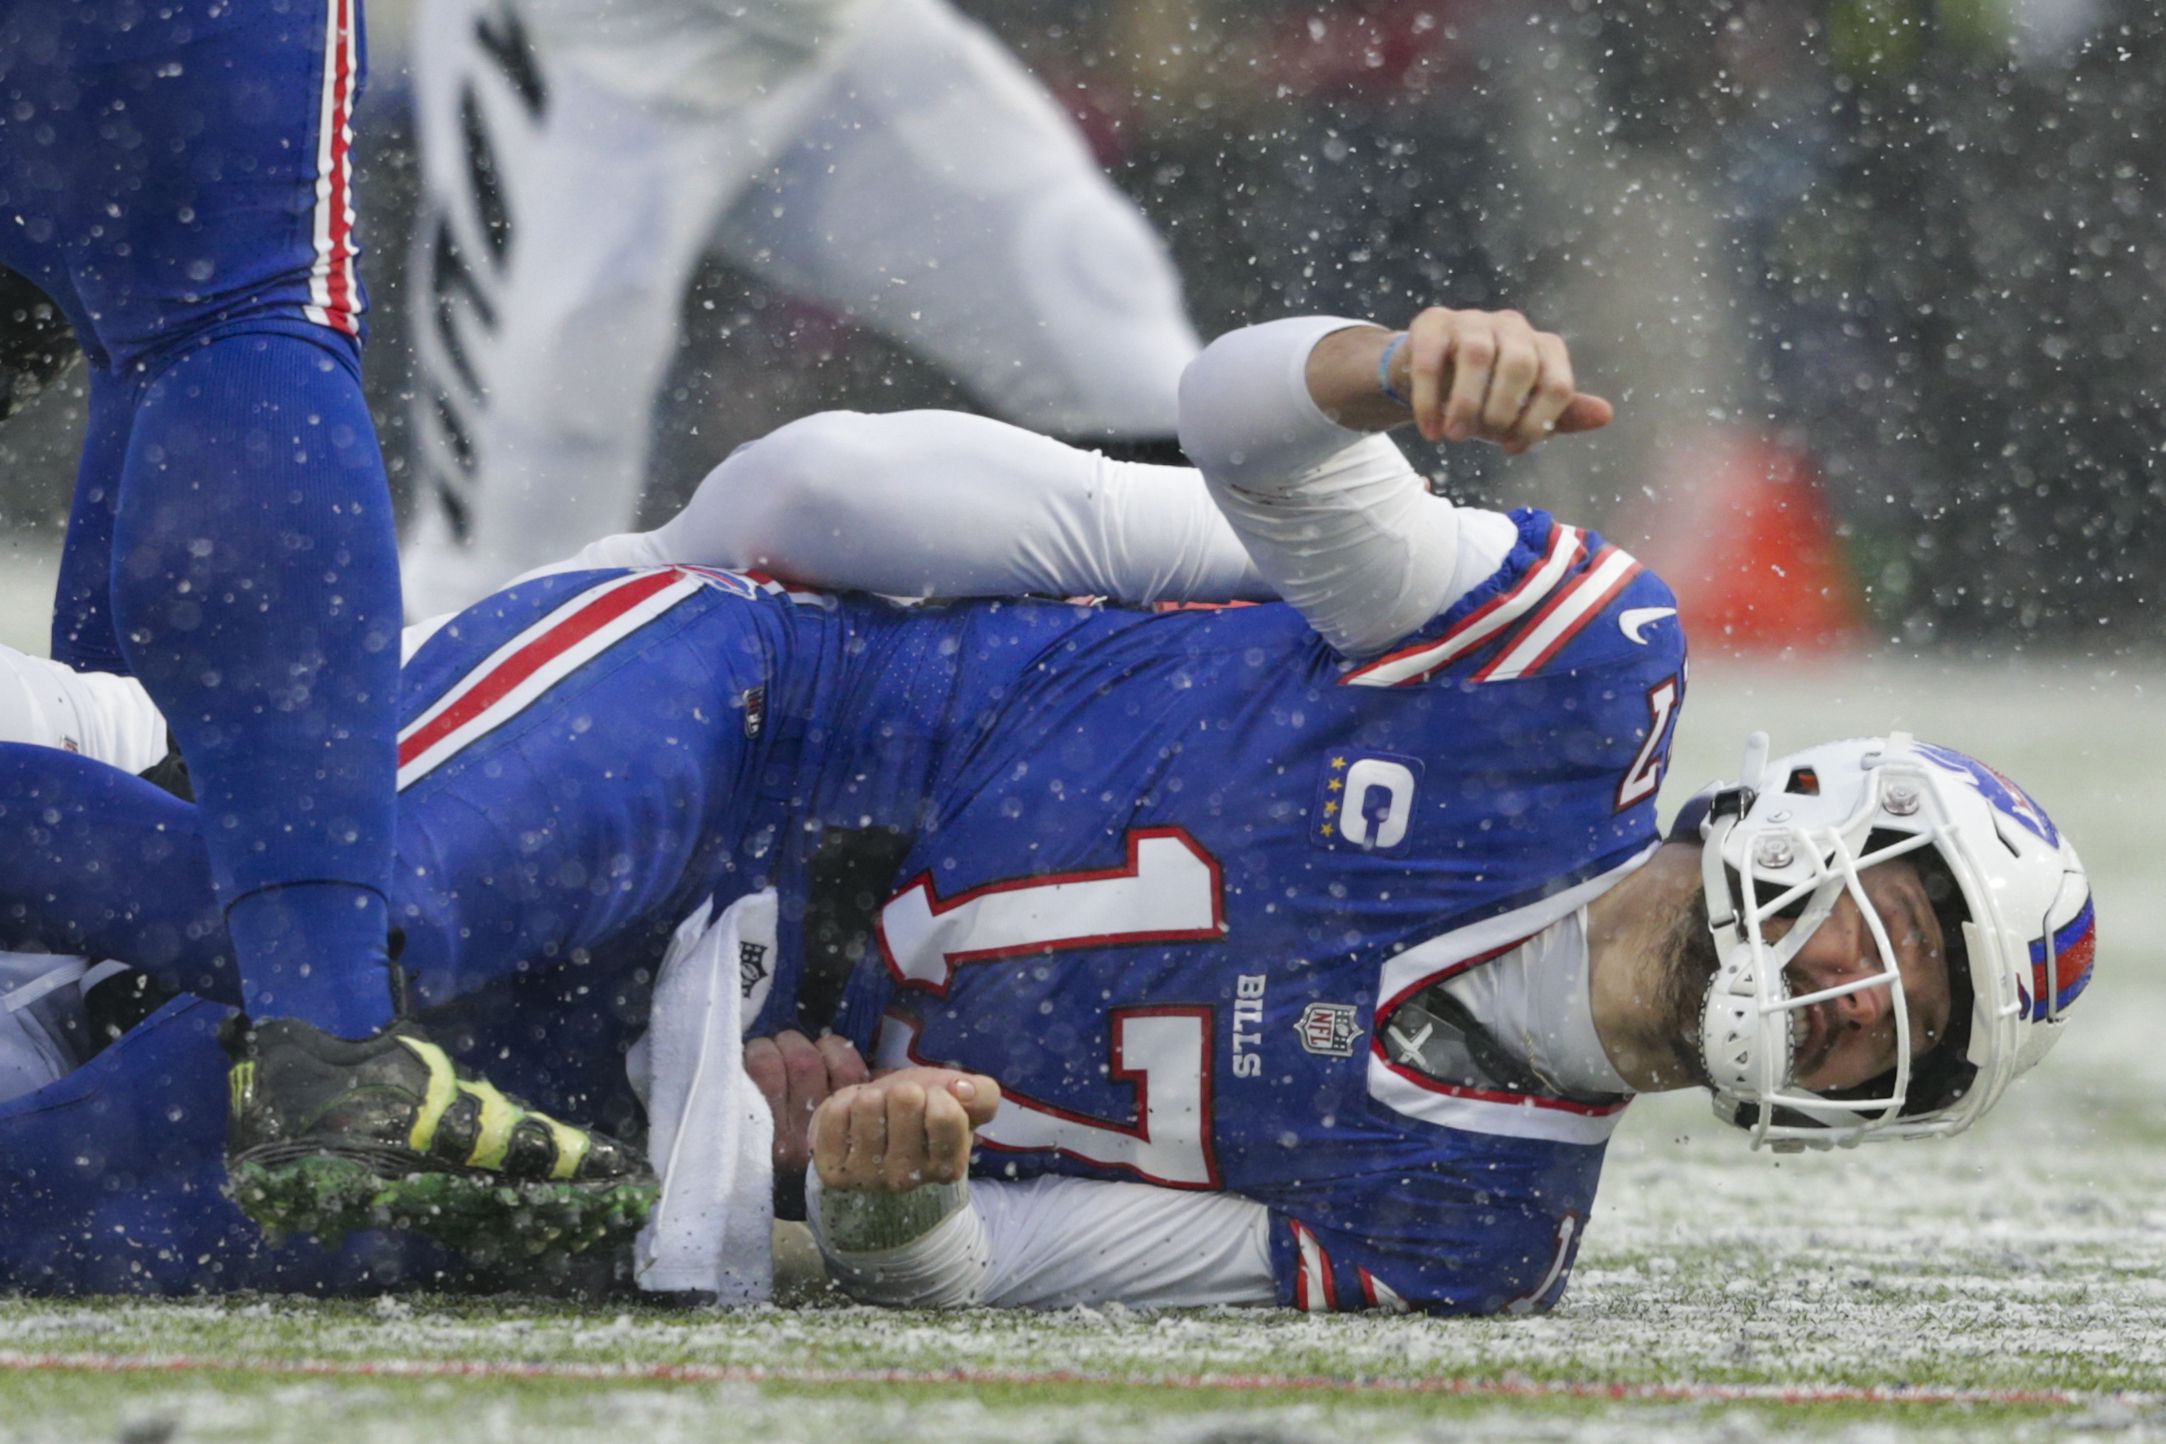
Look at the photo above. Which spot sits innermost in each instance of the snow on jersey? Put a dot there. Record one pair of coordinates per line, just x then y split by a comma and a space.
1170, 870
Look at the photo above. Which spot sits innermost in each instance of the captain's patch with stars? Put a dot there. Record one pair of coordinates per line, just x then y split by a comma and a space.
1365, 800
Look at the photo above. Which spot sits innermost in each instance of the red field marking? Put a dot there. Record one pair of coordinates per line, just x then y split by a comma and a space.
14, 1362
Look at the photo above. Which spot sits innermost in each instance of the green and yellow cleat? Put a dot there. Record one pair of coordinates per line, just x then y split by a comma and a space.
327, 1136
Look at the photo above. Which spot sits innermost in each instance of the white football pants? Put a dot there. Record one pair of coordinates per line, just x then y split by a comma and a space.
910, 175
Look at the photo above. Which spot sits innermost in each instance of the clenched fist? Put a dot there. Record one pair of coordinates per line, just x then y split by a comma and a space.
1490, 376
906, 1128
1458, 375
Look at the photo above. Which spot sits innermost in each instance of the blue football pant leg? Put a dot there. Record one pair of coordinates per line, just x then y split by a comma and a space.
167, 174
83, 635
613, 801
198, 212
256, 593
604, 805
102, 864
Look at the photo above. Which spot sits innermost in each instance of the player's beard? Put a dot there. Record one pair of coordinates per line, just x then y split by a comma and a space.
1689, 963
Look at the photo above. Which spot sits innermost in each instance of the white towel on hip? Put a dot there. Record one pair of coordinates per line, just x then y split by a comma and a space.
710, 1135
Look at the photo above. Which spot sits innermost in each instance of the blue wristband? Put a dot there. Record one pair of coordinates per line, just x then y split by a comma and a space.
1383, 371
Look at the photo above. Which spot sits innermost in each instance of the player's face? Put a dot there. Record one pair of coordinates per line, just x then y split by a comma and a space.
1848, 1040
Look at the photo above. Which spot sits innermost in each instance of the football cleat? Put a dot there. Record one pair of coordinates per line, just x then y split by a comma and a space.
326, 1136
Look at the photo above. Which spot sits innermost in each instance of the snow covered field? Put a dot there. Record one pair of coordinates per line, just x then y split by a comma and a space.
2012, 1282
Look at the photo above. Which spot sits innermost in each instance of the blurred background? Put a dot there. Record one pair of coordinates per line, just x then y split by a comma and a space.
1876, 283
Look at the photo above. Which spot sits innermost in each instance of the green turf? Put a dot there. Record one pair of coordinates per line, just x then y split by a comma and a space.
1627, 1332
240, 1408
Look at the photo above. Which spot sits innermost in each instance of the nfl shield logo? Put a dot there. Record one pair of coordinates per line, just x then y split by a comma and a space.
1327, 1029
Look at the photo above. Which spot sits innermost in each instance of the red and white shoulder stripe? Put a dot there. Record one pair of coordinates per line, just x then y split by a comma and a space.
1569, 609
1531, 622
518, 673
334, 287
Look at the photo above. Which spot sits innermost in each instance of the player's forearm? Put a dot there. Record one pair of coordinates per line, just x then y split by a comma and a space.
1337, 521
926, 1248
1060, 1242
1046, 1243
1248, 415
1344, 378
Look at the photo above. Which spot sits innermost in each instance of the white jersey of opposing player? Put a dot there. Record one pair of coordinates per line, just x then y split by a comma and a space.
712, 55
96, 714
885, 158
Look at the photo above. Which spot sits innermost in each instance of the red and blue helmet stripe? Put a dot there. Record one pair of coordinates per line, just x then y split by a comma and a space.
2073, 944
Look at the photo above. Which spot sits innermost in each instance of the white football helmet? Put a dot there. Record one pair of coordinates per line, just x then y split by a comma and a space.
1790, 840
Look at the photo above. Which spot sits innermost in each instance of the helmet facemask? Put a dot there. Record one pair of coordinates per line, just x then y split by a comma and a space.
1790, 844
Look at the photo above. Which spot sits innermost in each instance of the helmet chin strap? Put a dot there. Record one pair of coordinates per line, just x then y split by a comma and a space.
1725, 809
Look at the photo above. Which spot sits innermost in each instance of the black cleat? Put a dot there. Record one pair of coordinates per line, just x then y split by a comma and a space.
326, 1136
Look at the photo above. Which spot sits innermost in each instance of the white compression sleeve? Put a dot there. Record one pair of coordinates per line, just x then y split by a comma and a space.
937, 503
1337, 521
1055, 1242
877, 1252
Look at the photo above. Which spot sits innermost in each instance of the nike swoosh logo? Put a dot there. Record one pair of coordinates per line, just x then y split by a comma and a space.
1633, 621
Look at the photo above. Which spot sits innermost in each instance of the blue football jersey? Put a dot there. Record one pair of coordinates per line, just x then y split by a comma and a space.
1171, 878
1173, 872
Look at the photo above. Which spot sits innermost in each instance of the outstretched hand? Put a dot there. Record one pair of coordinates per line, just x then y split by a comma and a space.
1490, 376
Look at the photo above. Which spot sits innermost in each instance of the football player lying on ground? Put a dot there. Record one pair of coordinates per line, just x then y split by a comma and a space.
1316, 948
